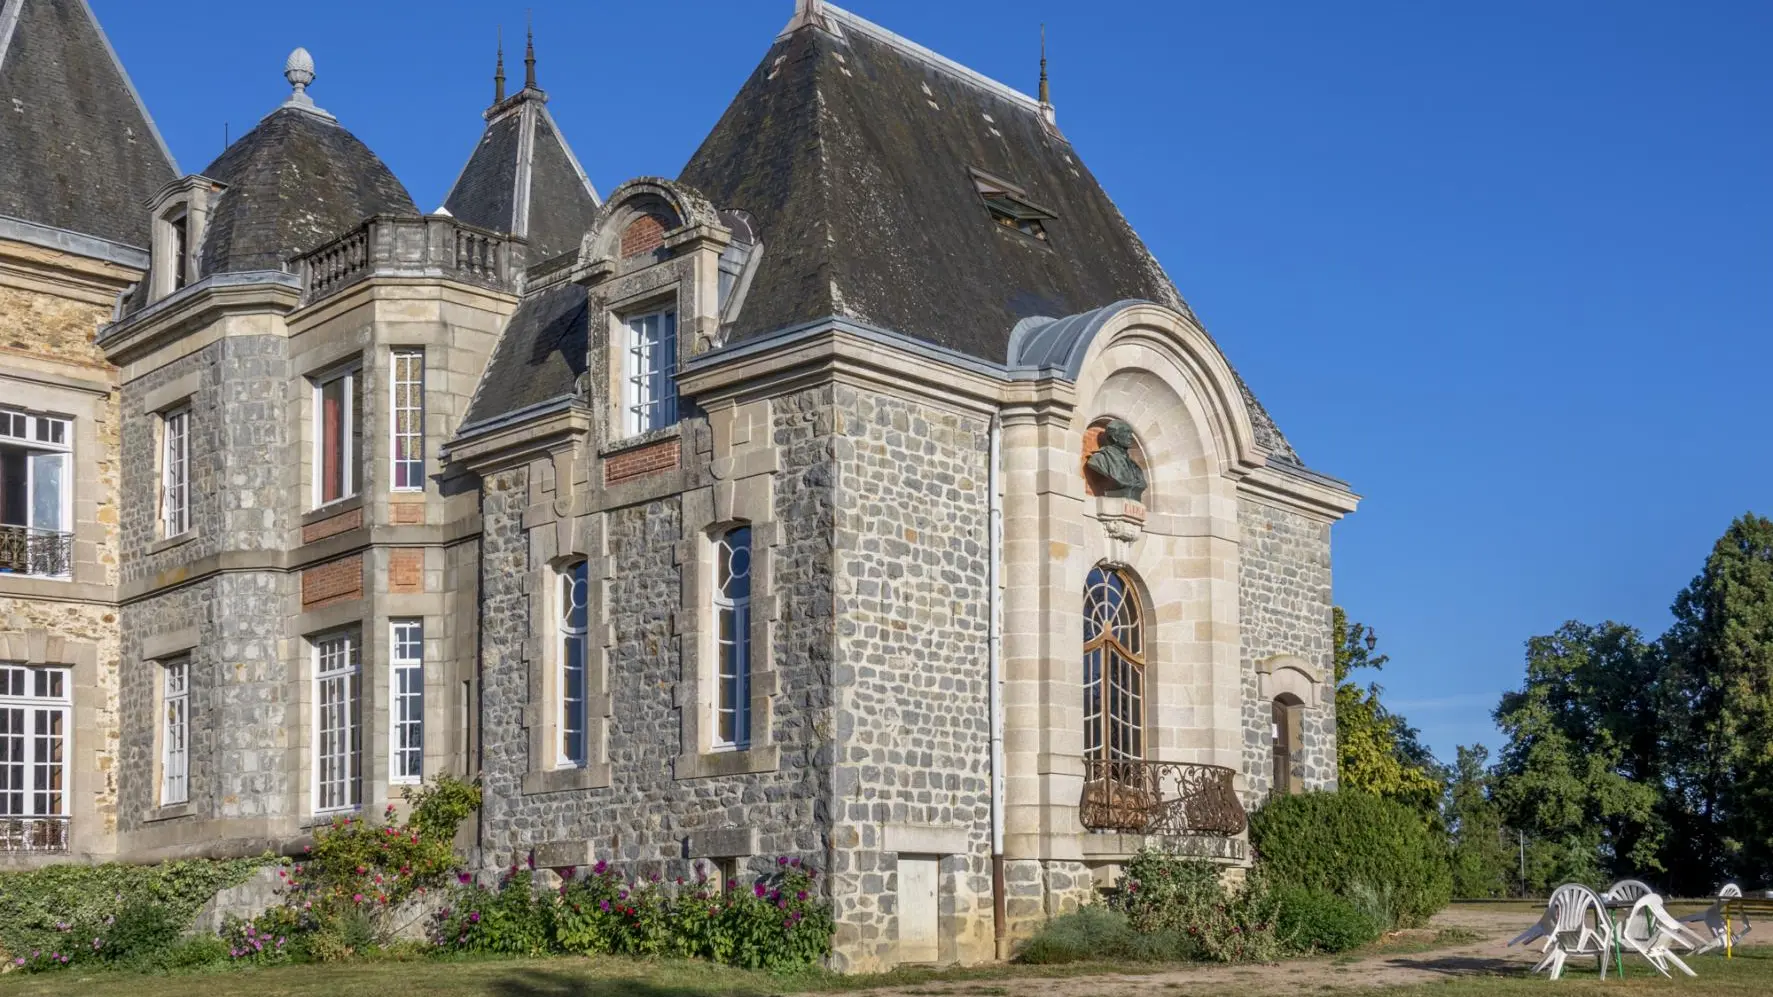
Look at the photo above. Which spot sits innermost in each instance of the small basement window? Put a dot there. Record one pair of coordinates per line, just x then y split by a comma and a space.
1010, 207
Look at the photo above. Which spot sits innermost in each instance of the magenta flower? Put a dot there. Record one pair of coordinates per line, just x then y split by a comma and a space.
757, 889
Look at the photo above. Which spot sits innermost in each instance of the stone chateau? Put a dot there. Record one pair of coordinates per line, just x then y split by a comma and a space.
867, 494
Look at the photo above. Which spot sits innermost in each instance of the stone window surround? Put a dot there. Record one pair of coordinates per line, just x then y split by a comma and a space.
1297, 685
744, 465
187, 198
571, 539
84, 403
354, 467
659, 298
38, 648
157, 652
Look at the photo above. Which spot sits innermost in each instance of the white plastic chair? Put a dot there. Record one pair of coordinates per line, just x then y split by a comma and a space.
1651, 931
1627, 890
1575, 924
1722, 930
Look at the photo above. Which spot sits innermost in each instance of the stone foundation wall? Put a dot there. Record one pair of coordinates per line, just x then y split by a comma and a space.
912, 703
1285, 599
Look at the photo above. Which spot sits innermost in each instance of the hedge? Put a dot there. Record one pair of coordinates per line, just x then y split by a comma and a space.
40, 907
1358, 846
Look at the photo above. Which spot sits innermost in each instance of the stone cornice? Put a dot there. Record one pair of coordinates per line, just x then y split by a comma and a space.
1314, 496
198, 305
62, 270
385, 287
508, 443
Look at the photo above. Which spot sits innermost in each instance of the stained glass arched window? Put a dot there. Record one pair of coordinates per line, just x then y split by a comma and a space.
1114, 667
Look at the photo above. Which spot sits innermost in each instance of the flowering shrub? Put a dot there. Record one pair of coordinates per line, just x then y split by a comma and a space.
264, 940
1165, 894
777, 923
134, 933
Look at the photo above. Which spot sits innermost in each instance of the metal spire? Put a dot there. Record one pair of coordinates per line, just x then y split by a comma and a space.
499, 74
529, 57
1046, 95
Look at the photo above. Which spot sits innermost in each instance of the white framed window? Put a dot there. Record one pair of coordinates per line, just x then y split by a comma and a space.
337, 436
338, 724
36, 493
407, 731
649, 385
407, 419
175, 746
175, 472
35, 713
574, 653
732, 638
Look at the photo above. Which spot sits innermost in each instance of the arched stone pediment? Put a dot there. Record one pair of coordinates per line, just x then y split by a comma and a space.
649, 203
1289, 674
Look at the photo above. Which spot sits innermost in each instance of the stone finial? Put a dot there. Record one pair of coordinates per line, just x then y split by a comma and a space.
499, 72
299, 71
1046, 94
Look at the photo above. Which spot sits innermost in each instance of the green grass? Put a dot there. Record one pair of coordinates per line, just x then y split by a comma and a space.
1744, 976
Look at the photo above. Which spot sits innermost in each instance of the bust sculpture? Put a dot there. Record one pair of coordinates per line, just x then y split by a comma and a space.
1113, 460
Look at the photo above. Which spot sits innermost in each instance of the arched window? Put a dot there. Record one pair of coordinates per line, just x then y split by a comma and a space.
574, 593
732, 634
1114, 667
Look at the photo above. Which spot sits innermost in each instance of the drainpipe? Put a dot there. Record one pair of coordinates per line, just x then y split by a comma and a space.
994, 655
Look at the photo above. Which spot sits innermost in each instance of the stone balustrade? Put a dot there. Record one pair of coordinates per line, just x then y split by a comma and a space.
435, 246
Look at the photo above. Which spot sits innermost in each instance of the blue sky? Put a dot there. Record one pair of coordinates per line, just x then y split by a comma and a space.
1499, 265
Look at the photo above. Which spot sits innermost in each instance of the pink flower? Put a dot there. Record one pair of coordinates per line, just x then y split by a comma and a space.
757, 889
357, 898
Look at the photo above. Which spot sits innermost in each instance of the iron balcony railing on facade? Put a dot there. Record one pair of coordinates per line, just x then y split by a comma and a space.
395, 246
33, 834
25, 551
1162, 798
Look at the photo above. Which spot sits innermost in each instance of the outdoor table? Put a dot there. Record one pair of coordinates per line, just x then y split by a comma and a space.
1613, 909
1738, 909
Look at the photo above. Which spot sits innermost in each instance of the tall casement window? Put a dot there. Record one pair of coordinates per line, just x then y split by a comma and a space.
35, 708
732, 635
649, 392
574, 591
175, 472
338, 724
1114, 668
408, 419
175, 732
337, 436
1285, 730
407, 750
36, 494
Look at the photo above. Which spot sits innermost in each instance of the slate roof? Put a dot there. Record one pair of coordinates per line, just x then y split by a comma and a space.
853, 148
524, 179
295, 181
77, 148
540, 356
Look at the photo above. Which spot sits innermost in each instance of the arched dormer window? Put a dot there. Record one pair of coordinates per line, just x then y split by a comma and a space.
1114, 667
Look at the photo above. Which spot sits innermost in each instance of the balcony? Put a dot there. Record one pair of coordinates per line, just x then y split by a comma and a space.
33, 835
24, 551
392, 246
1160, 798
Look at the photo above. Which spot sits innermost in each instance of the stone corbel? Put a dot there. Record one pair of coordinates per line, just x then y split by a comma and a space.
1123, 523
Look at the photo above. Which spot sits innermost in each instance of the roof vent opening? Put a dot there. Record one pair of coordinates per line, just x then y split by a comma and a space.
1010, 207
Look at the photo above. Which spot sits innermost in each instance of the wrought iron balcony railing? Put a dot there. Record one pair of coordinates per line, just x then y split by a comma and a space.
26, 551
33, 834
1139, 797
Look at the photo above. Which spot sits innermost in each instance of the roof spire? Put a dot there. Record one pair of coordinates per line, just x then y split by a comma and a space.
529, 56
499, 73
1046, 95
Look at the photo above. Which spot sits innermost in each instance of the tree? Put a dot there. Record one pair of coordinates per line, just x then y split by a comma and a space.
1720, 654
1483, 864
1376, 750
1581, 770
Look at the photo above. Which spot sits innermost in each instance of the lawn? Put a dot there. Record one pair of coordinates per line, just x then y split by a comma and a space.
1745, 976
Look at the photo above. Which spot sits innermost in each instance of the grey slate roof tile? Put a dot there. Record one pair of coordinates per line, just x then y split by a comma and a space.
854, 155
293, 182
77, 149
541, 355
522, 179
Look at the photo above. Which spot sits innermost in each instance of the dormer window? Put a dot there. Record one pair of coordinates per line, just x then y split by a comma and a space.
180, 236
1010, 207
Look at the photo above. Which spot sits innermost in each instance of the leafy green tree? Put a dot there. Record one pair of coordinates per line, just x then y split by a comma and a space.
1376, 750
1581, 770
1483, 864
1720, 710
